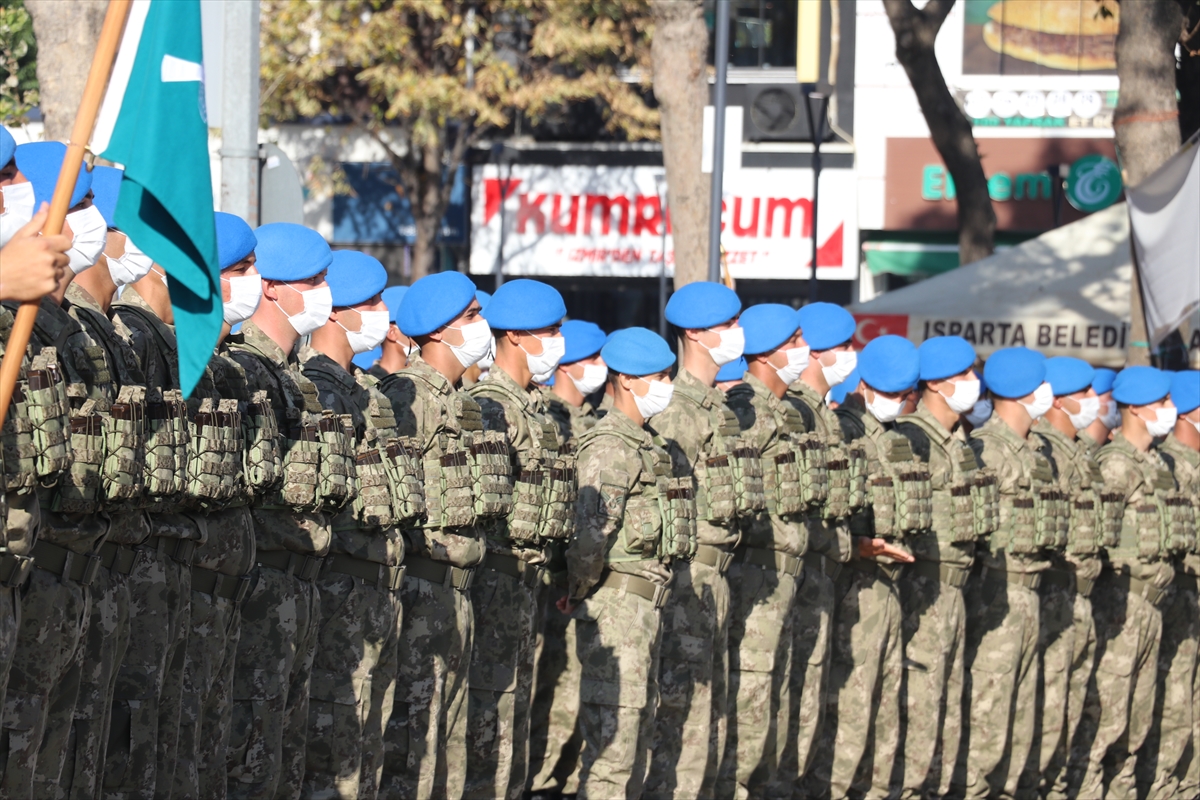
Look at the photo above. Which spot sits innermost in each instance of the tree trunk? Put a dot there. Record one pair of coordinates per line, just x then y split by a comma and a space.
679, 54
1146, 122
916, 31
66, 36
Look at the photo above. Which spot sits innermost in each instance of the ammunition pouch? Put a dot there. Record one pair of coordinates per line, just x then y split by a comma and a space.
748, 484
263, 454
216, 452
558, 508
985, 503
124, 446
1053, 515
79, 488
784, 492
402, 460
449, 489
36, 431
1112, 511
491, 471
168, 438
914, 499
883, 505
716, 495
1178, 517
677, 504
338, 479
1085, 524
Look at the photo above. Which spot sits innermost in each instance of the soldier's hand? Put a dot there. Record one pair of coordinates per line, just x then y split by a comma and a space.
565, 605
33, 264
873, 548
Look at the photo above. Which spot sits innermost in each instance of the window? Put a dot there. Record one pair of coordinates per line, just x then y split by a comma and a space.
762, 33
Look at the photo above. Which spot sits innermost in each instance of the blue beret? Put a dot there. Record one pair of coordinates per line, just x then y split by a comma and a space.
733, 371
982, 384
825, 325
367, 360
41, 162
702, 305
290, 252
767, 326
1014, 372
635, 351
354, 278
1103, 381
1067, 375
235, 239
106, 188
838, 393
8, 146
943, 356
525, 305
433, 301
1137, 386
483, 298
392, 296
889, 364
1185, 390
583, 340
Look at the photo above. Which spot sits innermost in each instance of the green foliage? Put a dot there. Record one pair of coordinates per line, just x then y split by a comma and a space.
18, 62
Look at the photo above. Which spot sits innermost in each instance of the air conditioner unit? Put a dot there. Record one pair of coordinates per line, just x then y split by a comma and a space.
775, 113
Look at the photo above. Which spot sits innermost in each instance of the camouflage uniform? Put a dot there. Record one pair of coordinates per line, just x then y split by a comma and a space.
1118, 711
858, 751
616, 573
425, 740
553, 741
506, 593
281, 613
689, 736
354, 671
1068, 632
828, 550
763, 581
931, 596
1164, 766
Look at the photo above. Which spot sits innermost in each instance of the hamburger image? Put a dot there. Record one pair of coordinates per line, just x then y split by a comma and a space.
1063, 34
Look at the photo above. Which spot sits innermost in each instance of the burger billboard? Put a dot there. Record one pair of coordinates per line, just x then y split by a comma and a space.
1039, 37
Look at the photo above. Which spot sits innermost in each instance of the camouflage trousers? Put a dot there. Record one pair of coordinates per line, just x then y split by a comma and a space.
1164, 760
812, 615
1003, 625
934, 632
1060, 759
693, 676
760, 662
54, 619
144, 734
1119, 708
1056, 651
500, 683
425, 742
553, 739
72, 757
353, 687
617, 644
862, 712
269, 728
10, 623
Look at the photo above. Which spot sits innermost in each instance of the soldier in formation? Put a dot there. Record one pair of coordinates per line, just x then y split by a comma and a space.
326, 577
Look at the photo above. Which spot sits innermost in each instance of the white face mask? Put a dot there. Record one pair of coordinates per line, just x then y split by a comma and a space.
966, 394
487, 359
542, 365
131, 266
245, 293
371, 331
656, 400
884, 409
18, 210
1111, 418
797, 360
594, 376
477, 342
844, 363
1089, 409
980, 413
730, 348
1195, 424
1163, 422
1043, 399
91, 234
318, 303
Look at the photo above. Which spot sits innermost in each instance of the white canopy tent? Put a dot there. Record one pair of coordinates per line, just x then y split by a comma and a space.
1064, 293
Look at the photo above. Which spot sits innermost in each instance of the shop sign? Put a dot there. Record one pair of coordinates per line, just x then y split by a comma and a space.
1094, 183
609, 221
1035, 108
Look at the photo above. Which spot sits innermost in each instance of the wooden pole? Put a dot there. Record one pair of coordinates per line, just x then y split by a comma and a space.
85, 121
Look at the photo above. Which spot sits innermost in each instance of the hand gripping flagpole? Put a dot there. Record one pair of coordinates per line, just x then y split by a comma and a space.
85, 120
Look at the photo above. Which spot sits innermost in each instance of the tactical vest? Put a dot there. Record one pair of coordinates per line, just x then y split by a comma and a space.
390, 478
794, 476
446, 467
1095, 515
660, 522
1039, 511
905, 489
967, 506
35, 434
729, 471
1164, 523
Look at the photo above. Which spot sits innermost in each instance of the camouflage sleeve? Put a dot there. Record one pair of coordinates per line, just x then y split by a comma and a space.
500, 414
407, 405
755, 420
1119, 475
605, 478
685, 434
991, 455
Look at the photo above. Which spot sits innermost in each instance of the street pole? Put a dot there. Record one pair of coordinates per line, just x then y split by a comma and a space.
239, 111
503, 158
661, 185
718, 165
816, 128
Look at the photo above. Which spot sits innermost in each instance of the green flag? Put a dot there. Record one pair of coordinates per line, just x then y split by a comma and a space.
153, 122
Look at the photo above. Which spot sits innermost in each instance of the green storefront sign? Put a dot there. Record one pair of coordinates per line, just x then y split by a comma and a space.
1094, 182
